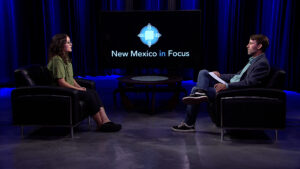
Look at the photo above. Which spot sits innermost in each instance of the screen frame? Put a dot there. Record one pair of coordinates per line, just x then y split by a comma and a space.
106, 62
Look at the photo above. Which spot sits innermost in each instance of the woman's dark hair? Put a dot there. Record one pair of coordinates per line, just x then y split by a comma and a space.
261, 39
56, 47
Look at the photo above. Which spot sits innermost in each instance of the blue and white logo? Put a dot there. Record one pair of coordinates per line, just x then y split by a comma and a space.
149, 35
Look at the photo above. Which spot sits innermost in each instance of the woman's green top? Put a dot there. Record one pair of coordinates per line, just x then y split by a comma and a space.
60, 69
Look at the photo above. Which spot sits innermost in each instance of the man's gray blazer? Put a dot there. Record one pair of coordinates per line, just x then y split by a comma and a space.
254, 75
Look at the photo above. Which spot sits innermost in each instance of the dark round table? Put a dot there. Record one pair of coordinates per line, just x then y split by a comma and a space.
149, 84
157, 80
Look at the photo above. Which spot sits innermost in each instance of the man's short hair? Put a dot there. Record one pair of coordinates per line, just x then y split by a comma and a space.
261, 39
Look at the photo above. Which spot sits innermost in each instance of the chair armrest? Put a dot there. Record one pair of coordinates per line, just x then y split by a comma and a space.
44, 90
89, 84
258, 92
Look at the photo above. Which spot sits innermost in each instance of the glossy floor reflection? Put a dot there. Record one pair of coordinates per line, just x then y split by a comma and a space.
146, 141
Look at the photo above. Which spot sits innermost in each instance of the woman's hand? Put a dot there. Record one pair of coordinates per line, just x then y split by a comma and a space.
78, 86
82, 88
63, 83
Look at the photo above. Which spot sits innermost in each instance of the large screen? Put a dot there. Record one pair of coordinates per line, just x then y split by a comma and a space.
149, 39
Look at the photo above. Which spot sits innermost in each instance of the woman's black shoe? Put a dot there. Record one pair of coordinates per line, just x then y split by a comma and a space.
110, 127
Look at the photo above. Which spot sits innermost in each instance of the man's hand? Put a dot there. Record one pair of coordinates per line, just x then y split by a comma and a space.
217, 73
219, 87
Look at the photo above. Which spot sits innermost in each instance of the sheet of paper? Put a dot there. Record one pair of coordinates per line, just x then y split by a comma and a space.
217, 78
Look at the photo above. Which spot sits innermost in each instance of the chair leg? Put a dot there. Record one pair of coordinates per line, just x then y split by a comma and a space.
89, 121
222, 135
22, 131
72, 131
276, 135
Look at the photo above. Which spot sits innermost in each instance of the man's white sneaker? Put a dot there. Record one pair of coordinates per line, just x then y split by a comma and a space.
183, 127
196, 98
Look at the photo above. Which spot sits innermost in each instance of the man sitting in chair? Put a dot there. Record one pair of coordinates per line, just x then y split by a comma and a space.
253, 74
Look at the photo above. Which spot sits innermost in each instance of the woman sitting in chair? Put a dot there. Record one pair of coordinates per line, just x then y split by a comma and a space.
61, 68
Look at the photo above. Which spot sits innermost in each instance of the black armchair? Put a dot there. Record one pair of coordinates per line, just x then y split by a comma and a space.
252, 108
37, 102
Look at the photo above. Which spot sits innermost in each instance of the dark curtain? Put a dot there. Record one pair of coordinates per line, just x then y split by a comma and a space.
26, 28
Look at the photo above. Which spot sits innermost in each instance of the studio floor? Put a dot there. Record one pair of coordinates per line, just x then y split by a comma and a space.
147, 141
